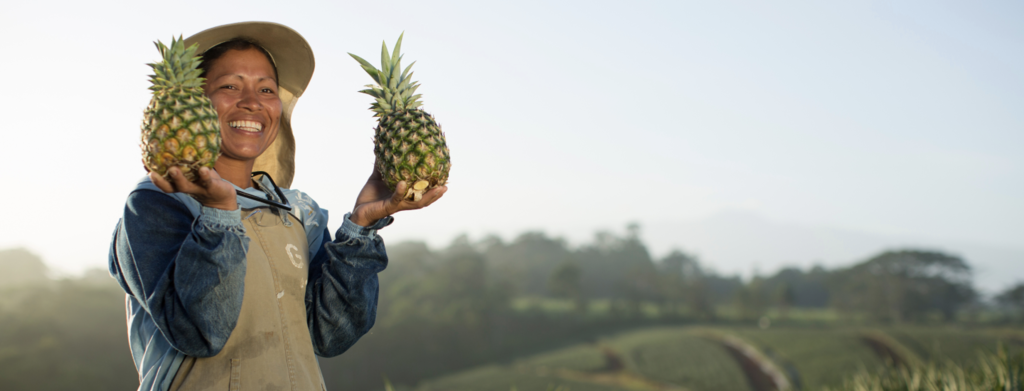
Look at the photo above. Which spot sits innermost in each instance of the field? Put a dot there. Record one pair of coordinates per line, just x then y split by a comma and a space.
681, 358
956, 345
728, 359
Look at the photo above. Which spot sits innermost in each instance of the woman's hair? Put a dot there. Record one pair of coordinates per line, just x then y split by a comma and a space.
240, 43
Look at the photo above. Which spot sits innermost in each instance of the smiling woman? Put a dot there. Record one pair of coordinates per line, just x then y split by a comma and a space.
232, 281
242, 86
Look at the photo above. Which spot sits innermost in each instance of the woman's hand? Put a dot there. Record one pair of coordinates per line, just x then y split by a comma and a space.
376, 201
210, 190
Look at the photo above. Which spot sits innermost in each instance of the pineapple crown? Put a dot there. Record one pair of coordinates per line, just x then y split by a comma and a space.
179, 68
394, 90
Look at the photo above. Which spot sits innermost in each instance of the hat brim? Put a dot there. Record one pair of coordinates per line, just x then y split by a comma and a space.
291, 53
293, 59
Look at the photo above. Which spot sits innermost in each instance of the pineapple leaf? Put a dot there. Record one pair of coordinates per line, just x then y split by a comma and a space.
392, 82
398, 46
384, 58
396, 65
373, 73
406, 73
395, 89
363, 62
403, 83
369, 68
370, 93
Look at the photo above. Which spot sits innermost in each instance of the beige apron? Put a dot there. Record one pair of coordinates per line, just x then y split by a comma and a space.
270, 347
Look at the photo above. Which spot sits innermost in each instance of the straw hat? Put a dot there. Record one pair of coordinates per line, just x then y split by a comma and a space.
294, 61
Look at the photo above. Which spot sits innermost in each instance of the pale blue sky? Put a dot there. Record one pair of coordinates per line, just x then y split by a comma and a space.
888, 118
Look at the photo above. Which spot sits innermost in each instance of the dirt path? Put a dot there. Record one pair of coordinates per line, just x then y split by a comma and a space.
612, 361
760, 372
756, 377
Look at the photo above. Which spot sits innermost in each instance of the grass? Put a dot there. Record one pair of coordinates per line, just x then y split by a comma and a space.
997, 371
945, 344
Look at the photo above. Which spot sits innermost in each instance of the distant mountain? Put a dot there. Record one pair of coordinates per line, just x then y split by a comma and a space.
740, 242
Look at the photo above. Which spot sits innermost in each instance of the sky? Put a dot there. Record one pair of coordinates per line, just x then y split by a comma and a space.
889, 119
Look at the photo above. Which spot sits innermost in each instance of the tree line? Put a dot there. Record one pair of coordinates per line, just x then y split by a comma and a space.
902, 285
447, 309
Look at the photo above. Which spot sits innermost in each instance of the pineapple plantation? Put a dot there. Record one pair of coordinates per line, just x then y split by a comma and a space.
685, 358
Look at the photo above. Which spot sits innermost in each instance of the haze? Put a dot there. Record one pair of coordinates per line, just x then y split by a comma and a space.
899, 122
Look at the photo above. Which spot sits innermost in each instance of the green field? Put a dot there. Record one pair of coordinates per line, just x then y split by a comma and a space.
696, 359
957, 345
686, 360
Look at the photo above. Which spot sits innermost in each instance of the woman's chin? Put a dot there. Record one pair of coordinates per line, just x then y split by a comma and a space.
240, 154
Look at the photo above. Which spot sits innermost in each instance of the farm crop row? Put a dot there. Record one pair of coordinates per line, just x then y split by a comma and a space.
697, 359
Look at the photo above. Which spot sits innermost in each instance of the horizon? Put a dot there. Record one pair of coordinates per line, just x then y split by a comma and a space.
987, 274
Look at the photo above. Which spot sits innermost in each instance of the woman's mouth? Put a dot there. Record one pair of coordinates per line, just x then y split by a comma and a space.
247, 126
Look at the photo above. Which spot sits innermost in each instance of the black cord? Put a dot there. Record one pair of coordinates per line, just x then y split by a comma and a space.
266, 201
271, 202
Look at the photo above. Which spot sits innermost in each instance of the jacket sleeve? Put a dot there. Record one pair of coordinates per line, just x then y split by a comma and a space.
341, 296
187, 273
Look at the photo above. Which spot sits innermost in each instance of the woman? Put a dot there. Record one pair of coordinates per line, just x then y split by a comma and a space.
232, 281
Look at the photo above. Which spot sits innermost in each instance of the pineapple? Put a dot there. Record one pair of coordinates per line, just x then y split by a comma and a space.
180, 126
408, 143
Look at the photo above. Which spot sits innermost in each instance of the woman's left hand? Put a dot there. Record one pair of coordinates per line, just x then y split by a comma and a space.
376, 201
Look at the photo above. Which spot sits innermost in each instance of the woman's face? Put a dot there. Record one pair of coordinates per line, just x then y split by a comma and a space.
243, 90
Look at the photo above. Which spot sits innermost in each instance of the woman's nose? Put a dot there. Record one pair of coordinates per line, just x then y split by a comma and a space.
249, 101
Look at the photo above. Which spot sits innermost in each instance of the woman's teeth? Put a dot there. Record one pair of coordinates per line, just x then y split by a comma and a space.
247, 126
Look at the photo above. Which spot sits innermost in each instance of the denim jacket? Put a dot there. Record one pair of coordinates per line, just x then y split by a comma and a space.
182, 266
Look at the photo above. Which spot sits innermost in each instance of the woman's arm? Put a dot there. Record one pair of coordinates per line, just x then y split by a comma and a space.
187, 273
341, 297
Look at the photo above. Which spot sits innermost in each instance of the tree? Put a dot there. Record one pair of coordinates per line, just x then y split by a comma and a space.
785, 297
617, 267
682, 283
565, 283
749, 301
527, 262
1013, 298
905, 285
809, 289
18, 266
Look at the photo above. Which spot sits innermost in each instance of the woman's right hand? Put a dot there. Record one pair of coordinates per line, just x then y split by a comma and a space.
210, 190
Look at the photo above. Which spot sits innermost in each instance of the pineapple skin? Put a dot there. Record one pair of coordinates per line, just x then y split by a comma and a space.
410, 146
180, 126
